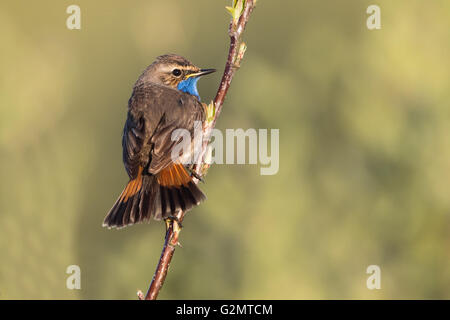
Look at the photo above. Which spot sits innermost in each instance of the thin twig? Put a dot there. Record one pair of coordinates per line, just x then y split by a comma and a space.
235, 55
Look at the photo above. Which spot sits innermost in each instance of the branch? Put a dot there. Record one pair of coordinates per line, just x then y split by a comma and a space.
240, 12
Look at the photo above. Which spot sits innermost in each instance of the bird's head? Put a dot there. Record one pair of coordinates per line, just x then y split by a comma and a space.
176, 72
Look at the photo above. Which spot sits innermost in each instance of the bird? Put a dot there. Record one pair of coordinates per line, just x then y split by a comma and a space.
164, 98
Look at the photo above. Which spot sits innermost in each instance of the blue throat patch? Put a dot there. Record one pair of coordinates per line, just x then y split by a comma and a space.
189, 86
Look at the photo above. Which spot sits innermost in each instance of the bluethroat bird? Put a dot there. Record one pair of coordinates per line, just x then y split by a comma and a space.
164, 98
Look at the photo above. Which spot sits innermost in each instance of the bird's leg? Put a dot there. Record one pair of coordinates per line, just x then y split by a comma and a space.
197, 176
177, 221
173, 220
194, 174
176, 227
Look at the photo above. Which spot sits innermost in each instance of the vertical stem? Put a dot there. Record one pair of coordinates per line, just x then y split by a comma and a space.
162, 268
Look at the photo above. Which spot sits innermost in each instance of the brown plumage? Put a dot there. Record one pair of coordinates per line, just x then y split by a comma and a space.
159, 187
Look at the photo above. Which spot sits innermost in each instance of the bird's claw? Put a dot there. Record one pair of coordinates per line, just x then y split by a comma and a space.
197, 176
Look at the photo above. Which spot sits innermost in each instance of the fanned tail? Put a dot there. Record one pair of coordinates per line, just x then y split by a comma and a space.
154, 196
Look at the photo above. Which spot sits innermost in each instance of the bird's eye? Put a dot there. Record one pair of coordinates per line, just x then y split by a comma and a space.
176, 72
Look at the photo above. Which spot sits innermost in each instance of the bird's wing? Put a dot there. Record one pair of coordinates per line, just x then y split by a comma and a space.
132, 143
154, 113
182, 112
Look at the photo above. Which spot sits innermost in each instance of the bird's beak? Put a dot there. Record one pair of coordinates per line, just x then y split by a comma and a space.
202, 72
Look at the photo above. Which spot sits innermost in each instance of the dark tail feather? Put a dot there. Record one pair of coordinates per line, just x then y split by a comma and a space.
144, 198
174, 199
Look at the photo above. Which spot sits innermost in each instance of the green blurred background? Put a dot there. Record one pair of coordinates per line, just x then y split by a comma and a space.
364, 150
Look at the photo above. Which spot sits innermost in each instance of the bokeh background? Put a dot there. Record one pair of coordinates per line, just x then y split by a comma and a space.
364, 150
